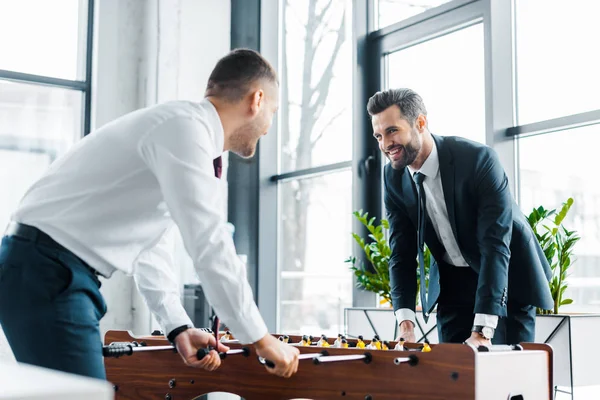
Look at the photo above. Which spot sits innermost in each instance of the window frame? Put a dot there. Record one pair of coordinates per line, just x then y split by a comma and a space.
371, 47
84, 86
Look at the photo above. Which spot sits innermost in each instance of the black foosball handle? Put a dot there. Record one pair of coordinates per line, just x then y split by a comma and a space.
201, 353
117, 351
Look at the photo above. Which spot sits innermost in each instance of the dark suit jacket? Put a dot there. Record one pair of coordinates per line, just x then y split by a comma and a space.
492, 233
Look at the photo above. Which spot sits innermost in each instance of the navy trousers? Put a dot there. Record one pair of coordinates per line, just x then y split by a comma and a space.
50, 307
458, 286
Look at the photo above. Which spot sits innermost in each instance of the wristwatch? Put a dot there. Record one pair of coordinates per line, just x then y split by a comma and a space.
485, 331
175, 332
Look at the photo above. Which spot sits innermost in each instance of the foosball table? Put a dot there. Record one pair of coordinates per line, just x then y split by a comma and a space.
147, 367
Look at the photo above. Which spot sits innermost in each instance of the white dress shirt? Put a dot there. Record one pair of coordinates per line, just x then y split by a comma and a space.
437, 212
112, 199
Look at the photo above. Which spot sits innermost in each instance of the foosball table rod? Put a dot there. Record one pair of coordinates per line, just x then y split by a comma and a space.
126, 349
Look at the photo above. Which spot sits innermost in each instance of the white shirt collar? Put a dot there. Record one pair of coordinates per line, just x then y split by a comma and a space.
431, 166
215, 125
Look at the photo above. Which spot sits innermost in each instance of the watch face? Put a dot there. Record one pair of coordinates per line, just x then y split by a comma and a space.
487, 332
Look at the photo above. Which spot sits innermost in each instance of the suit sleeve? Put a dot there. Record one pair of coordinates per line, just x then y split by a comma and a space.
494, 231
403, 245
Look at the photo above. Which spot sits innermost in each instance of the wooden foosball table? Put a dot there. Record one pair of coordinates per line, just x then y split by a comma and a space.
148, 368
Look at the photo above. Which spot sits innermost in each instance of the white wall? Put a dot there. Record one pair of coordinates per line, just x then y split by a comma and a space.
147, 52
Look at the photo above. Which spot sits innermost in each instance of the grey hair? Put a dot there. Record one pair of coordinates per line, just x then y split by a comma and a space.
410, 103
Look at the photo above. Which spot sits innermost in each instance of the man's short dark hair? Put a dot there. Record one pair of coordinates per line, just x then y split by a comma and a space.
409, 102
232, 76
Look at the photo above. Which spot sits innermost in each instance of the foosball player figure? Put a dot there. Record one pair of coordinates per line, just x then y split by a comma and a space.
385, 345
286, 339
344, 343
375, 344
226, 336
426, 347
338, 341
305, 341
360, 344
323, 342
400, 345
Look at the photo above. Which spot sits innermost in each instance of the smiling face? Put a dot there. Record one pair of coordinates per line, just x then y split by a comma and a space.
398, 139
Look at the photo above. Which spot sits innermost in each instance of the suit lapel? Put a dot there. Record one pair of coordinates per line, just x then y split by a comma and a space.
447, 173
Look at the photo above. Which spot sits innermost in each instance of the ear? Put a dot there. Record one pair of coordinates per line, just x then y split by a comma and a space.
421, 123
257, 99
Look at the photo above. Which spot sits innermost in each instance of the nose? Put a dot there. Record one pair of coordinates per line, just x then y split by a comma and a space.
385, 143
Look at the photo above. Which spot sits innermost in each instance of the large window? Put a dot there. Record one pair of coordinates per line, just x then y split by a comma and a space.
548, 181
557, 68
558, 131
448, 72
315, 138
44, 89
391, 11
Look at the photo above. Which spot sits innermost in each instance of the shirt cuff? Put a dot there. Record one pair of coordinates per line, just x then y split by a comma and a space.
248, 328
486, 320
177, 317
405, 314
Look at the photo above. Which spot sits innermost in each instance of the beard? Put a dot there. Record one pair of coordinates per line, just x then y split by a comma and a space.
408, 153
245, 140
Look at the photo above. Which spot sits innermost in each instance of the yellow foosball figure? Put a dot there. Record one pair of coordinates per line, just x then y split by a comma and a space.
226, 336
286, 339
426, 347
360, 344
344, 344
323, 342
305, 341
377, 343
385, 345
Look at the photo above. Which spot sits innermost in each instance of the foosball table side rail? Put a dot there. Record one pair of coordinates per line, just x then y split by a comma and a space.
443, 371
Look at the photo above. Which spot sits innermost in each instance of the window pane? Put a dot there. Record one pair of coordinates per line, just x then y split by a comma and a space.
316, 74
557, 66
392, 11
43, 37
315, 284
554, 167
448, 72
37, 124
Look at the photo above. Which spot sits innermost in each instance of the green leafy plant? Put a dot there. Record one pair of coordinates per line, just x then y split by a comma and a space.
377, 252
557, 243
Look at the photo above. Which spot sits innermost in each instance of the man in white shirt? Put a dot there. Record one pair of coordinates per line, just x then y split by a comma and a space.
452, 194
108, 205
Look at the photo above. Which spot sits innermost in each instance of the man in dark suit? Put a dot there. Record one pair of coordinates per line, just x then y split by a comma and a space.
452, 194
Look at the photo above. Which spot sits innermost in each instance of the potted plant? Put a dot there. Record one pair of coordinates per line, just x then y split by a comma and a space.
375, 277
557, 242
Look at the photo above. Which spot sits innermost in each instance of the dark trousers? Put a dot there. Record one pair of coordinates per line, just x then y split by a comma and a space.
458, 286
50, 307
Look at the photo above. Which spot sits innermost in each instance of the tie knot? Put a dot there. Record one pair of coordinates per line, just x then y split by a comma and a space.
419, 178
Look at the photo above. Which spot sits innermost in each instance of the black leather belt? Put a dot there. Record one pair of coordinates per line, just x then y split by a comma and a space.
35, 235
